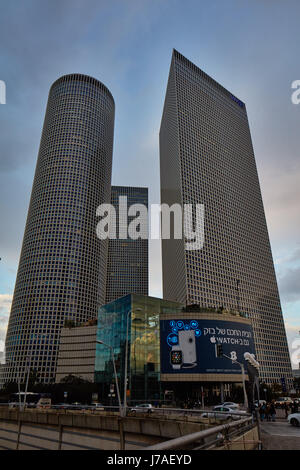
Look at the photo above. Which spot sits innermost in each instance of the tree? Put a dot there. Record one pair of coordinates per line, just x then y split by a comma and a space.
69, 324
276, 388
73, 380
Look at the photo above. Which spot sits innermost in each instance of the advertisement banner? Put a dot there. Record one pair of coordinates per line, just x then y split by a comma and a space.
188, 346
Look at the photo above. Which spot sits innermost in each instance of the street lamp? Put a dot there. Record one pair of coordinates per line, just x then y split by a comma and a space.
27, 380
126, 361
243, 378
115, 372
253, 371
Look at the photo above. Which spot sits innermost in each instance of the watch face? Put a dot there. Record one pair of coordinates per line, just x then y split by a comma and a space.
176, 357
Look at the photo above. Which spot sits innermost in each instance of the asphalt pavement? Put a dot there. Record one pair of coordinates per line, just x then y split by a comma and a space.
280, 435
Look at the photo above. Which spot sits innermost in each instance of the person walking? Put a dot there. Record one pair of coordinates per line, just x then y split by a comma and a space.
272, 411
262, 410
286, 409
268, 413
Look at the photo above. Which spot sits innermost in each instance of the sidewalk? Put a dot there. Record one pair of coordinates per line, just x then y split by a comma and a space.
279, 436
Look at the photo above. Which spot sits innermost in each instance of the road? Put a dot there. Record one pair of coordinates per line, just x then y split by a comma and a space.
280, 436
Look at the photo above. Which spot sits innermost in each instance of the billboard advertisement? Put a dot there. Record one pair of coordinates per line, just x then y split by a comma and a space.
188, 346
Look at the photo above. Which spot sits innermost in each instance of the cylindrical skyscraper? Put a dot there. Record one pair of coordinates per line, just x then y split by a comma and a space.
62, 268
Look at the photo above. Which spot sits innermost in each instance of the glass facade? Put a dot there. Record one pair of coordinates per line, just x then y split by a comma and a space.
143, 345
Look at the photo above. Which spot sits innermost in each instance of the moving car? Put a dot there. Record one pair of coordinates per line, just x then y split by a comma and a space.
44, 403
14, 404
224, 413
97, 406
231, 404
282, 400
294, 419
31, 405
144, 408
76, 406
61, 406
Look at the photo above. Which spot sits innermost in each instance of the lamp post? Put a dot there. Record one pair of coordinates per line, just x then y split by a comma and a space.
253, 370
26, 386
115, 372
126, 361
243, 378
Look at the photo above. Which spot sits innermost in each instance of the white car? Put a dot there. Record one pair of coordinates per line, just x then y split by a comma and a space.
294, 419
144, 408
98, 406
234, 406
224, 413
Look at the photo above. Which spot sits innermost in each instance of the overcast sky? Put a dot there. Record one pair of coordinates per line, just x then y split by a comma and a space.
251, 47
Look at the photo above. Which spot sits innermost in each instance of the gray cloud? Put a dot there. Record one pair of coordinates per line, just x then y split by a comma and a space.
5, 303
288, 269
293, 336
289, 285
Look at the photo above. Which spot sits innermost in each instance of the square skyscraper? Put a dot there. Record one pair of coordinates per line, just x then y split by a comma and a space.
127, 267
206, 157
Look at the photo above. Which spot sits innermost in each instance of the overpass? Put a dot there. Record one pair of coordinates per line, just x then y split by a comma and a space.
74, 430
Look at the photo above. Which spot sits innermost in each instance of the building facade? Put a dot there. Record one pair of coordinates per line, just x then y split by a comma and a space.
143, 345
127, 265
171, 350
206, 157
62, 268
76, 355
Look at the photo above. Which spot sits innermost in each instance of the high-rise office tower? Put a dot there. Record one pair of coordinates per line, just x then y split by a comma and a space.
127, 267
62, 268
206, 157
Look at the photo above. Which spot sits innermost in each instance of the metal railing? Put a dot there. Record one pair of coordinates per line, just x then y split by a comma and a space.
202, 413
210, 413
201, 439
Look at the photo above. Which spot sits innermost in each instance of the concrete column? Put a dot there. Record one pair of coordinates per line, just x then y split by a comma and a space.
222, 392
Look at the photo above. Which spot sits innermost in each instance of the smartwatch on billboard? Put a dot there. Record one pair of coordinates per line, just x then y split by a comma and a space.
176, 357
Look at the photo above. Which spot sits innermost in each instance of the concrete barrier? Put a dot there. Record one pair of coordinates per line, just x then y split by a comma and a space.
51, 429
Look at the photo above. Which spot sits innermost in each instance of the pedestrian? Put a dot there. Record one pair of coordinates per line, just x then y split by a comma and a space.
294, 407
262, 412
268, 413
272, 411
286, 409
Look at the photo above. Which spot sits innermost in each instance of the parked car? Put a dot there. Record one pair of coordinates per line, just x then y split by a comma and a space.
224, 413
144, 408
294, 419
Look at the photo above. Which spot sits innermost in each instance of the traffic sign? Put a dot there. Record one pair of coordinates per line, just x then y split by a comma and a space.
283, 384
